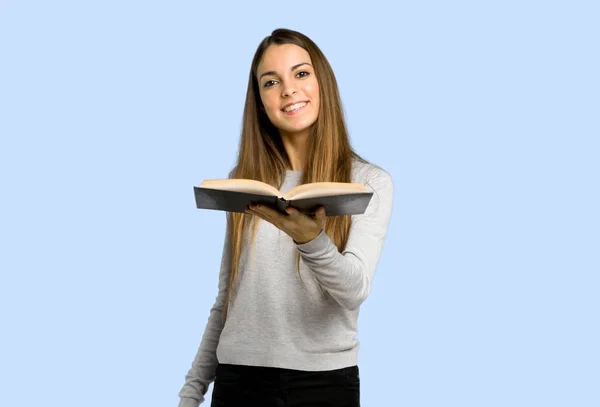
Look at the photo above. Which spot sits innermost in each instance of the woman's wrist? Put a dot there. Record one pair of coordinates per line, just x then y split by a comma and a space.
310, 239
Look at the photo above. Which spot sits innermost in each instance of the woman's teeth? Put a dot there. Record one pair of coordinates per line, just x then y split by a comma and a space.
294, 107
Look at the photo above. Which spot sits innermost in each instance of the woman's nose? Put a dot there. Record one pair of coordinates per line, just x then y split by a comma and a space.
288, 90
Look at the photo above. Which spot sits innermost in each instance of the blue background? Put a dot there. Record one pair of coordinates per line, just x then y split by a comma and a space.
485, 113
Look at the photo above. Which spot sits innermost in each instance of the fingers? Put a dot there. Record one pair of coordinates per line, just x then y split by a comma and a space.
272, 215
321, 216
296, 224
266, 213
292, 211
319, 212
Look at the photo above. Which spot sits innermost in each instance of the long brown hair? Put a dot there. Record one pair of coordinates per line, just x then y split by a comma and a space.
262, 157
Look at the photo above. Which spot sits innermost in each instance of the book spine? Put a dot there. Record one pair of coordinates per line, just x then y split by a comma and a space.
282, 204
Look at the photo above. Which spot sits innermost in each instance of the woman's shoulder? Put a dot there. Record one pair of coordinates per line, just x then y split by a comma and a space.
368, 173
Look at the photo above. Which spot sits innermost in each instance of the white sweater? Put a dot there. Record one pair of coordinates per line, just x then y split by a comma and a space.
276, 320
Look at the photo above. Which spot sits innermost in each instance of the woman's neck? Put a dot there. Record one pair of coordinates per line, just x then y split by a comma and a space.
296, 147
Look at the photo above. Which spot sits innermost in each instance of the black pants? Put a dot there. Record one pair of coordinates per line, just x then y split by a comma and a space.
252, 386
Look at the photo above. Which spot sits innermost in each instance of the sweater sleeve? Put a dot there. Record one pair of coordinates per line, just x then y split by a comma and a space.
347, 276
204, 365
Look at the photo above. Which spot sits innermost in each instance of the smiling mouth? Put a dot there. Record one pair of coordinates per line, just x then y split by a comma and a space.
294, 108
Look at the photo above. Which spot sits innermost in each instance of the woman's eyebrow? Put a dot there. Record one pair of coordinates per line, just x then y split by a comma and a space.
291, 69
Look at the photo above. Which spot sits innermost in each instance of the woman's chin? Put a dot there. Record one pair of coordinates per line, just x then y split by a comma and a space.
299, 129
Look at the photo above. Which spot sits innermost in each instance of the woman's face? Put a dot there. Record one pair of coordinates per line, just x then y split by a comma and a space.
287, 80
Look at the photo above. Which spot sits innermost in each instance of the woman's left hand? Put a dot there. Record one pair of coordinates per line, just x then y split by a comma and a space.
300, 227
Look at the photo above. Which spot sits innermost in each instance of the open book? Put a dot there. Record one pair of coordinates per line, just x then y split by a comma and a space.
234, 195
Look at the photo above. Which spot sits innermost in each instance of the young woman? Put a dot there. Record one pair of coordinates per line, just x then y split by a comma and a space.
282, 331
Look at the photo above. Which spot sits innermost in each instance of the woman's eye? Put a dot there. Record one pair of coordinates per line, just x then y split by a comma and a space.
303, 72
266, 85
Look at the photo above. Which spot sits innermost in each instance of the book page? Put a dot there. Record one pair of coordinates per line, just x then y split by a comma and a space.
241, 185
317, 189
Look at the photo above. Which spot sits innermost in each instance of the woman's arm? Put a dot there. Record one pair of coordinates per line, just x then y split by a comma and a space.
204, 366
347, 276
